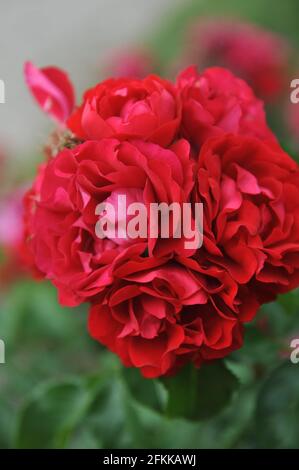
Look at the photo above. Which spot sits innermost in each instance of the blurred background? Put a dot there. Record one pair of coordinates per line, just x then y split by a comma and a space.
58, 388
77, 38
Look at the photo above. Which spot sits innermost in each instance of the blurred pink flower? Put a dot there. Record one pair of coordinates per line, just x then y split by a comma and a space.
258, 56
52, 90
16, 257
11, 215
130, 63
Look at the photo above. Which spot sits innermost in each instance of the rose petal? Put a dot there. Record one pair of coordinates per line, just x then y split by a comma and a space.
52, 90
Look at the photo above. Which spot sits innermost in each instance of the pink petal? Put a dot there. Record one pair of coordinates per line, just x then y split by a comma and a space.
52, 90
247, 182
231, 196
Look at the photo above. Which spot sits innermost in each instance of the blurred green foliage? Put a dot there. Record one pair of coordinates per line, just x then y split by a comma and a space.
61, 389
280, 17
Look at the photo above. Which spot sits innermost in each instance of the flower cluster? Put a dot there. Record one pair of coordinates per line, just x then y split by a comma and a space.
203, 139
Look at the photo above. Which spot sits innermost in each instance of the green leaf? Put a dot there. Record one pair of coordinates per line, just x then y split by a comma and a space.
197, 394
151, 430
277, 412
149, 392
48, 418
6, 422
105, 418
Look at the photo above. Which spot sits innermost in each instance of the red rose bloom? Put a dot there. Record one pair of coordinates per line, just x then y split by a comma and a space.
61, 208
216, 102
147, 109
154, 302
250, 194
157, 318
